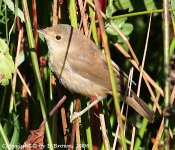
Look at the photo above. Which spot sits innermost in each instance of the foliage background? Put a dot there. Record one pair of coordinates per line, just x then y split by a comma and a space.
21, 112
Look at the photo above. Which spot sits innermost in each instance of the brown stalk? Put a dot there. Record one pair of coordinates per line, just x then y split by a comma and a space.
75, 127
59, 12
157, 99
90, 29
35, 24
133, 137
104, 132
55, 17
107, 52
54, 118
15, 72
64, 124
24, 82
145, 75
144, 57
77, 121
152, 95
172, 97
126, 41
159, 134
83, 16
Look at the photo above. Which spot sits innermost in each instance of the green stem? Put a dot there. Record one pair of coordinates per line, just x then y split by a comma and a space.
166, 70
6, 23
140, 13
111, 73
94, 29
72, 13
141, 134
4, 137
36, 69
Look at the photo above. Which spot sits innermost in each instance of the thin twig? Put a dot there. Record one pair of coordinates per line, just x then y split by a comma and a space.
133, 137
144, 57
61, 101
83, 16
104, 132
159, 135
24, 83
15, 72
126, 41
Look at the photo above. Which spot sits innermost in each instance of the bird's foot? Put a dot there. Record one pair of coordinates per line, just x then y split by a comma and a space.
78, 114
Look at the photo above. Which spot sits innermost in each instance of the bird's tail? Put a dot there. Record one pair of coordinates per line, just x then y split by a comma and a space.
140, 106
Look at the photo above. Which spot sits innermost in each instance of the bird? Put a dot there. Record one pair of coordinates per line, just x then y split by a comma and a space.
82, 68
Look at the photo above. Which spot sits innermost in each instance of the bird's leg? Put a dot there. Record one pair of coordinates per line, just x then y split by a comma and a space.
78, 114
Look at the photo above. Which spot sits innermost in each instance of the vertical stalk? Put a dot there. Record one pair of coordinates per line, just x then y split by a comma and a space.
72, 13
166, 68
113, 82
94, 30
36, 69
6, 23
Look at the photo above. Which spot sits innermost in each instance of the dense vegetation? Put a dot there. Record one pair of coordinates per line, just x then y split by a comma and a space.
29, 91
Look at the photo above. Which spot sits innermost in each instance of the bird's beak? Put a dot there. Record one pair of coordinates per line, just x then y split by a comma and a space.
43, 32
40, 31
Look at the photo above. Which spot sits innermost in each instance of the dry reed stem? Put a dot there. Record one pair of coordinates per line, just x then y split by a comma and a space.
152, 95
115, 139
172, 97
132, 138
55, 17
157, 99
35, 24
64, 124
93, 6
90, 29
15, 72
159, 134
59, 12
134, 63
121, 112
125, 40
128, 87
61, 101
73, 135
75, 126
24, 83
170, 133
104, 132
144, 57
83, 16
145, 75
78, 141
77, 121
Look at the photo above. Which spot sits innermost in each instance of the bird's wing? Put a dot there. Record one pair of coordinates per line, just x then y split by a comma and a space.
88, 61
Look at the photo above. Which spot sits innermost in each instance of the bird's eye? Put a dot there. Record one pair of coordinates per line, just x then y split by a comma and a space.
58, 37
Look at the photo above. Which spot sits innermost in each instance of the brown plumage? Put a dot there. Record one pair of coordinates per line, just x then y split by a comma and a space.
82, 67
